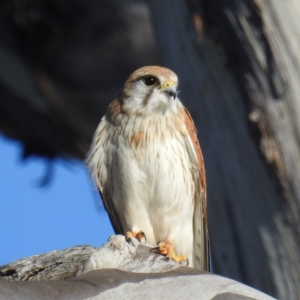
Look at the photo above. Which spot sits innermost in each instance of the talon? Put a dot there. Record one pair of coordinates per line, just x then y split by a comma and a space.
138, 235
154, 250
144, 236
130, 242
166, 249
128, 236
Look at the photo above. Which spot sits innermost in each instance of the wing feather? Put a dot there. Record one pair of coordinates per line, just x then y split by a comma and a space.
201, 238
97, 162
112, 213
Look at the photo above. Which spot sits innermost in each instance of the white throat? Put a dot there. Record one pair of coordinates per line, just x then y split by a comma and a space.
150, 102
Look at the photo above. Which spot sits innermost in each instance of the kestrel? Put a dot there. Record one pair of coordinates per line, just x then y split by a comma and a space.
147, 163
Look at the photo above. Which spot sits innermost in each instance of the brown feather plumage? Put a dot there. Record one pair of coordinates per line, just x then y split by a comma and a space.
149, 169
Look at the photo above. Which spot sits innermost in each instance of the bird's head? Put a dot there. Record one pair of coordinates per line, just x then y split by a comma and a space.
150, 90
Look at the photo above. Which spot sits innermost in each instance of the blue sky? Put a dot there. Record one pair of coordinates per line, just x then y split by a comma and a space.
34, 219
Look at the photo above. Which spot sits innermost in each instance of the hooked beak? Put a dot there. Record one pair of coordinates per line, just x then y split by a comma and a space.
172, 92
169, 88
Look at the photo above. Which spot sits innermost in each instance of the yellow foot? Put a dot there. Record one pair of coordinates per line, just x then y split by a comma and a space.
139, 235
166, 249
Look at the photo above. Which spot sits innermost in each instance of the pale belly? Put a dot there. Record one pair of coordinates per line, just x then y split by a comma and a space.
155, 192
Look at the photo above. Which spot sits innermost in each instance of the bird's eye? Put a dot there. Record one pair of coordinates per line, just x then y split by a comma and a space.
150, 80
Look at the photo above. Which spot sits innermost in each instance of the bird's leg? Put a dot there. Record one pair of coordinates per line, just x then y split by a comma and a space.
139, 235
166, 249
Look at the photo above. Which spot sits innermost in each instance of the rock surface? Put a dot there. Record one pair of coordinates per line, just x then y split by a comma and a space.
118, 270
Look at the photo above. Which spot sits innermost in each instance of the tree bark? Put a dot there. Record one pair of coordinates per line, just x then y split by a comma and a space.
239, 71
114, 271
54, 265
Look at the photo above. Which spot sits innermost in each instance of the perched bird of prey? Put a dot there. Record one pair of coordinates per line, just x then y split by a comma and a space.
147, 163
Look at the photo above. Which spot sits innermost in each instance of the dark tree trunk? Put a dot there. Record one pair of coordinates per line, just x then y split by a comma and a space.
239, 68
62, 63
